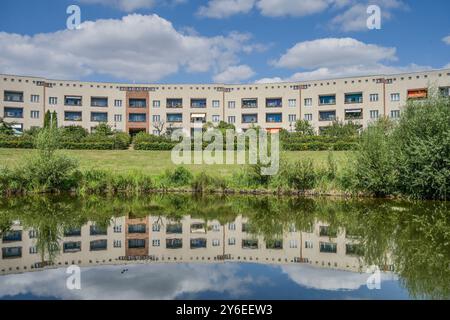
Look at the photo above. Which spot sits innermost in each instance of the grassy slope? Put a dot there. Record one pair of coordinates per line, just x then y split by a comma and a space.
153, 162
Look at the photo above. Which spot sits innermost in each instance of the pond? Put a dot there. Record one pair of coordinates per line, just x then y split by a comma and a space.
182, 246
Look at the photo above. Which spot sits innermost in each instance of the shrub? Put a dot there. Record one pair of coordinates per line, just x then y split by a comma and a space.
73, 133
201, 182
304, 127
179, 177
302, 175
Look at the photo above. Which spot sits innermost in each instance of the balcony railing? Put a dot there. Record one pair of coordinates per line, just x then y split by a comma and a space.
71, 247
198, 243
174, 243
13, 112
249, 118
174, 229
98, 245
136, 244
138, 103
12, 236
250, 244
353, 98
327, 100
11, 253
11, 96
99, 102
72, 232
355, 114
274, 103
249, 103
73, 101
137, 228
327, 247
198, 103
98, 231
327, 115
174, 103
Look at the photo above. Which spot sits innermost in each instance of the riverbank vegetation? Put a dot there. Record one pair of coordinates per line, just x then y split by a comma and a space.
409, 158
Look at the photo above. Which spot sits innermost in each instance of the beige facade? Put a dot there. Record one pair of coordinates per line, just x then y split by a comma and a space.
191, 240
132, 108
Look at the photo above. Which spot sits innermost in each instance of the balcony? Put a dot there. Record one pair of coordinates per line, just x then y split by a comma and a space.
137, 117
72, 116
12, 236
72, 232
198, 103
176, 228
325, 231
249, 118
70, 247
136, 244
98, 231
198, 118
353, 114
353, 98
174, 103
16, 113
73, 101
174, 117
98, 245
249, 244
417, 94
274, 117
327, 100
327, 247
274, 244
198, 228
12, 253
99, 117
249, 103
13, 96
137, 103
100, 102
274, 102
198, 243
174, 243
137, 228
327, 115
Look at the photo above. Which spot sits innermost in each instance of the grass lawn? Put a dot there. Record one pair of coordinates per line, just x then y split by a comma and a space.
154, 162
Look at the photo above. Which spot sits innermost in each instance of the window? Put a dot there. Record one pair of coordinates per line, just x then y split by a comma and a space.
327, 115
292, 103
156, 104
231, 241
174, 117
395, 114
156, 118
98, 245
156, 227
395, 97
249, 244
328, 247
137, 117
198, 243
216, 242
69, 247
136, 243
174, 103
137, 103
216, 104
174, 228
374, 114
98, 230
293, 244
34, 98
274, 117
231, 119
231, 104
101, 102
11, 253
117, 229
417, 94
249, 118
292, 117
156, 242
33, 250
445, 91
308, 116
99, 116
155, 132
373, 97
232, 226
174, 243
354, 97
32, 234
52, 100
72, 232
353, 114
327, 99
75, 101
34, 114
118, 118
13, 96
198, 103
72, 116
215, 118
117, 244
117, 103
215, 227
250, 103
308, 102
13, 112
308, 244
274, 102
12, 236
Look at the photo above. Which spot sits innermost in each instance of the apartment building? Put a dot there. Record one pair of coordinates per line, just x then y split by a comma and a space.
156, 239
157, 107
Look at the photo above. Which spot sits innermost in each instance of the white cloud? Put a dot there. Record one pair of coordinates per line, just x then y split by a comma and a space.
446, 39
333, 52
338, 57
234, 74
354, 18
131, 5
136, 47
225, 8
278, 8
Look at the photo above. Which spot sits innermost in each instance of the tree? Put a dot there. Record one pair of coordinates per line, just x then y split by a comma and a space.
103, 129
6, 128
159, 126
339, 129
54, 119
304, 127
47, 119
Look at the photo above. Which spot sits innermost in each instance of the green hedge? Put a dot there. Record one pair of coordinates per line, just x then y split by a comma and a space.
16, 144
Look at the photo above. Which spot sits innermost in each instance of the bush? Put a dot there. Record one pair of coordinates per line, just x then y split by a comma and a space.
302, 175
179, 177
73, 134
201, 182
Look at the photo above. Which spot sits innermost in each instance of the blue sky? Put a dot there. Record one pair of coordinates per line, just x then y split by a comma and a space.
225, 41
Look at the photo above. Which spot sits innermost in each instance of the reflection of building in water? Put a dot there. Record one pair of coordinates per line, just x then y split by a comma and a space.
160, 240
